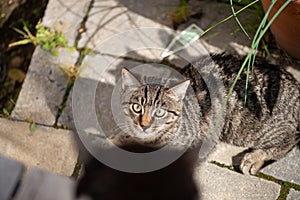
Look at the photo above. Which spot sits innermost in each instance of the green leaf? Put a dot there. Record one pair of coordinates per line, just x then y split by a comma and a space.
19, 31
46, 47
61, 40
54, 52
5, 111
32, 127
13, 101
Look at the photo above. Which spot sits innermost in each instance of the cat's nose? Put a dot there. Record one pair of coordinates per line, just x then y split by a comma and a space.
145, 127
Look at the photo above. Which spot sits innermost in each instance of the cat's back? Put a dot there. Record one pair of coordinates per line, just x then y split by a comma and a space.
272, 97
266, 90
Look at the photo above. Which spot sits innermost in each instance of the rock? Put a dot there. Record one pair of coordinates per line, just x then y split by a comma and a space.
66, 16
286, 169
220, 183
46, 148
44, 87
293, 195
123, 15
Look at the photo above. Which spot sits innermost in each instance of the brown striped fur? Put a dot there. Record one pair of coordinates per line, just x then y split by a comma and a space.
267, 123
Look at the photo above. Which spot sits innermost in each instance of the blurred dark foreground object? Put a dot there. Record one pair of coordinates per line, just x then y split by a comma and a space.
174, 182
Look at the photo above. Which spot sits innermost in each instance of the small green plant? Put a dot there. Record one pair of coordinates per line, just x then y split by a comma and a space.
72, 71
50, 40
5, 112
181, 13
32, 124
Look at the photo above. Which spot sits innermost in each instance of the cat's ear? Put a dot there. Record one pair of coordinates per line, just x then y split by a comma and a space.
179, 90
128, 80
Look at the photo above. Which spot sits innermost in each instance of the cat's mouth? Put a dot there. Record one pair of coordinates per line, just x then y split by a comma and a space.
146, 135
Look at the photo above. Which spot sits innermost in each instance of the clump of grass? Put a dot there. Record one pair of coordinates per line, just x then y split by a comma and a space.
49, 39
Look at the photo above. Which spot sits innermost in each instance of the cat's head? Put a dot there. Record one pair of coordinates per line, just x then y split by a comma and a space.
151, 111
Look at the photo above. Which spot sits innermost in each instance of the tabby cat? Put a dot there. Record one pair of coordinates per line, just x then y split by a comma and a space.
268, 122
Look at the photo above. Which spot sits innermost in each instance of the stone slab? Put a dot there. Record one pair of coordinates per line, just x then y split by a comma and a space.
112, 17
287, 169
220, 183
39, 185
66, 16
46, 148
10, 174
44, 87
293, 195
226, 37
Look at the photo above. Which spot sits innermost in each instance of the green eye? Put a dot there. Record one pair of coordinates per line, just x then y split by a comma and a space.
160, 113
136, 108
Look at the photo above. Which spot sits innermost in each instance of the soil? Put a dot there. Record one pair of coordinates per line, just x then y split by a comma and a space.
14, 61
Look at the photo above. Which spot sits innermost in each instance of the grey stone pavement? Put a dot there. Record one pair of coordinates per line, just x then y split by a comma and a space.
109, 29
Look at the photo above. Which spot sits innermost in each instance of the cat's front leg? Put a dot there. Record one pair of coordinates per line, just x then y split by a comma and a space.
252, 162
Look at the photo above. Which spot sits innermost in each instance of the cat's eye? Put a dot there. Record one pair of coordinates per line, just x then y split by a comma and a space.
160, 113
136, 108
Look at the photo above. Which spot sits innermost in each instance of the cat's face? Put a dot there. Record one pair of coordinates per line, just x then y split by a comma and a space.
151, 111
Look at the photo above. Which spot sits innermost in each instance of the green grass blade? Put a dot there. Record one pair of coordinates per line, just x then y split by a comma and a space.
19, 31
256, 42
257, 38
259, 31
237, 20
227, 18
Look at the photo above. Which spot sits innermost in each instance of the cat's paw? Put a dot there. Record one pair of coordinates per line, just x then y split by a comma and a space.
252, 162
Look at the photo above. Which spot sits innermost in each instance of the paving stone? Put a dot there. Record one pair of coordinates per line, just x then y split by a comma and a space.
287, 169
190, 54
46, 148
44, 87
220, 183
66, 118
66, 16
227, 36
293, 195
111, 17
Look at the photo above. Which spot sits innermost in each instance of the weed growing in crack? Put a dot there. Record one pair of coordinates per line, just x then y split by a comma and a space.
49, 39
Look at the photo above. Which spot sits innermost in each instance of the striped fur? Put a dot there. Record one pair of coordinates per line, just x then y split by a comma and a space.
268, 123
